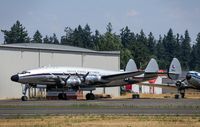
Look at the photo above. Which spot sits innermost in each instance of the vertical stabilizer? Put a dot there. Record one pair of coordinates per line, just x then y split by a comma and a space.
174, 69
131, 66
152, 66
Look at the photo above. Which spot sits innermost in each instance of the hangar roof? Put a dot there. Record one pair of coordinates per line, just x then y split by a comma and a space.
54, 47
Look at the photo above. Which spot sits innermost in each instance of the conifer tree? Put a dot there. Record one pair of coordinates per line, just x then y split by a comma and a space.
186, 50
197, 53
37, 37
16, 34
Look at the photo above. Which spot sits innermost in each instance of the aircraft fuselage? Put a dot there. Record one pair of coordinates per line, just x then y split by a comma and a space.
193, 79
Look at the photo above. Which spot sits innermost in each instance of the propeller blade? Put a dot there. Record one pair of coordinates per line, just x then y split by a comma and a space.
60, 79
183, 80
68, 77
85, 76
82, 78
78, 75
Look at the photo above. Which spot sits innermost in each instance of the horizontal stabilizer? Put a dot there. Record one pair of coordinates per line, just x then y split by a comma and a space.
131, 66
174, 69
152, 66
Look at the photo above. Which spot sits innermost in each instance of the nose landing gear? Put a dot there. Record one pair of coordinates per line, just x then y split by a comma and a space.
25, 87
181, 88
181, 93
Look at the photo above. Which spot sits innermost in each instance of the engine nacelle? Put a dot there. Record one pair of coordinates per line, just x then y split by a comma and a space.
92, 78
73, 81
180, 85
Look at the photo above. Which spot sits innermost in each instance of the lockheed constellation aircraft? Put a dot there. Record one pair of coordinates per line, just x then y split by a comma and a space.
88, 79
191, 81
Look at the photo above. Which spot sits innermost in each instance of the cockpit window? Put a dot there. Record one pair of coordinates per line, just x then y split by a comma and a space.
24, 72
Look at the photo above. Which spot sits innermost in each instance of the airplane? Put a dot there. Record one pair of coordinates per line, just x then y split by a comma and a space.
191, 81
87, 79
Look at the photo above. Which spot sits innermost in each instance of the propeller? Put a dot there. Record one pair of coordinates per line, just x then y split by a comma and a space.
67, 77
65, 80
59, 80
180, 83
84, 77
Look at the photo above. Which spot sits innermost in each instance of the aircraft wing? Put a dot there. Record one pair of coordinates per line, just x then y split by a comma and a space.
173, 86
113, 83
170, 86
121, 75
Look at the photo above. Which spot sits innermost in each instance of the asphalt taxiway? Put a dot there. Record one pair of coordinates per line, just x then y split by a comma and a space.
168, 106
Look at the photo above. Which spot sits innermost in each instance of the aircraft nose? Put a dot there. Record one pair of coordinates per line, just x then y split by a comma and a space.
188, 76
15, 78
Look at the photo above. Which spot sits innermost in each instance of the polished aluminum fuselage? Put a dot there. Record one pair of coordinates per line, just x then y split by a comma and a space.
194, 80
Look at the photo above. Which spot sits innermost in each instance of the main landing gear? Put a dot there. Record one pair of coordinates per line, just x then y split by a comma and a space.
90, 96
62, 96
180, 93
25, 87
180, 89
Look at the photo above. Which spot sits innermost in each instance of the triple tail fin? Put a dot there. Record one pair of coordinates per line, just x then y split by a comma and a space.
152, 66
131, 66
174, 69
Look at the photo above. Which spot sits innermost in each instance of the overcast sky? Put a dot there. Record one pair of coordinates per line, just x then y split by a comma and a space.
52, 16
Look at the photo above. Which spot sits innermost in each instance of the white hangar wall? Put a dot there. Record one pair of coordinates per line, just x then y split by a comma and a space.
16, 58
59, 59
103, 62
11, 63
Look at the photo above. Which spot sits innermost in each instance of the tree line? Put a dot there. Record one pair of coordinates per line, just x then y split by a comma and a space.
138, 46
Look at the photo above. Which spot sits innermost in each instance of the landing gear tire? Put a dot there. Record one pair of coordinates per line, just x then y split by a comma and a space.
90, 96
135, 96
24, 98
25, 87
62, 96
176, 96
182, 95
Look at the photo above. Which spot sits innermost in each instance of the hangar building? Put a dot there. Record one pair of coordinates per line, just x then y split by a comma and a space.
16, 58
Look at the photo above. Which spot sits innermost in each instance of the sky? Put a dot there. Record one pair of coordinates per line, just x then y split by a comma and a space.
52, 16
